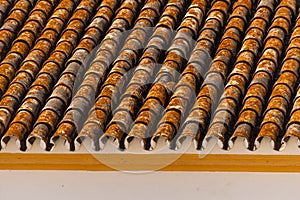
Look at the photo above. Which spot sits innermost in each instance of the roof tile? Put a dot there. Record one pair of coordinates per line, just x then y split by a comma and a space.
94, 73
48, 74
73, 70
21, 46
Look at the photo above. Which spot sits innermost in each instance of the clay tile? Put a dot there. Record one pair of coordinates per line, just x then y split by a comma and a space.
292, 130
134, 92
293, 53
290, 65
209, 30
5, 6
225, 112
279, 103
258, 24
268, 4
274, 43
282, 90
238, 18
231, 33
271, 130
7, 72
296, 30
284, 5
238, 81
241, 69
214, 79
168, 125
20, 48
246, 57
247, 117
281, 23
258, 91
49, 117
219, 11
252, 42
276, 33
218, 67
208, 91
294, 117
243, 130
293, 43
266, 65
226, 50
287, 78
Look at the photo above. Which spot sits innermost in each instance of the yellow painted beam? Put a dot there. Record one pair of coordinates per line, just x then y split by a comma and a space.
165, 162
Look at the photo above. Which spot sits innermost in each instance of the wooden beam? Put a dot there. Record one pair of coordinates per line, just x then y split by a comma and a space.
164, 162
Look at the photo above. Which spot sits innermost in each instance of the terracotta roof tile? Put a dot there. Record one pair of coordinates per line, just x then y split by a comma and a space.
264, 73
288, 81
62, 92
166, 76
101, 70
12, 23
215, 75
5, 6
127, 107
32, 64
49, 73
104, 56
25, 40
126, 60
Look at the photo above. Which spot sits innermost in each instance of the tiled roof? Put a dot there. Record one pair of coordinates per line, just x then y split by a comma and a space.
149, 70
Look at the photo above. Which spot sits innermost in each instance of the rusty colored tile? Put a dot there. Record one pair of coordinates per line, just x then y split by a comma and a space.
277, 102
274, 43
218, 67
45, 79
15, 18
267, 66
293, 52
252, 43
291, 66
282, 23
169, 125
233, 90
288, 80
292, 131
243, 130
241, 69
118, 23
25, 39
246, 57
4, 8
236, 66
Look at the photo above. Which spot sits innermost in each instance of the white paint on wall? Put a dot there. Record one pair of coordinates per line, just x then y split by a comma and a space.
57, 185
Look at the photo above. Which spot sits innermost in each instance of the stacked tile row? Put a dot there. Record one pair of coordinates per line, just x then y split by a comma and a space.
273, 123
237, 80
199, 114
61, 95
128, 57
47, 76
84, 97
131, 99
5, 6
167, 75
26, 36
108, 70
14, 20
255, 99
32, 64
287, 87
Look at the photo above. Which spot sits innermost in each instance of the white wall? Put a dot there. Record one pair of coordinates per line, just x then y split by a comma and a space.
56, 185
